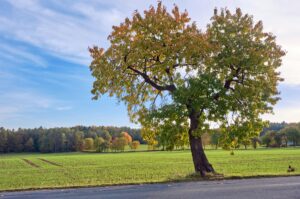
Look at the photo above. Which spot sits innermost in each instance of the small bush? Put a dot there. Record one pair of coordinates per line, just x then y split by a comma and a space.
88, 143
135, 145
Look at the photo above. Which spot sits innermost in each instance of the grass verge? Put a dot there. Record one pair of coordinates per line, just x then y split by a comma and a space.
86, 170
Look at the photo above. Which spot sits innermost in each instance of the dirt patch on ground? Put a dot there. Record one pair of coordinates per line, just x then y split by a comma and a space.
30, 163
49, 162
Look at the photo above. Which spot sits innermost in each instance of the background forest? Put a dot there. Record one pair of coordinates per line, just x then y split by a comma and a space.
112, 139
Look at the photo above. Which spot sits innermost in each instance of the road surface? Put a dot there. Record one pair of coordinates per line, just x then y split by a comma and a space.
262, 188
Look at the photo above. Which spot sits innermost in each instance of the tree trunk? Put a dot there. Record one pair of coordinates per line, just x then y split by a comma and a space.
201, 163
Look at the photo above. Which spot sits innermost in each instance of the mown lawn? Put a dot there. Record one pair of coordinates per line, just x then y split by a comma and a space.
26, 171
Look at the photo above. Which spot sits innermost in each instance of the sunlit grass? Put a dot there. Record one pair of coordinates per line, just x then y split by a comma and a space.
90, 169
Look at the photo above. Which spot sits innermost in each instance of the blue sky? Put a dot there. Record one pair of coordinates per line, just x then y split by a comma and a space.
44, 74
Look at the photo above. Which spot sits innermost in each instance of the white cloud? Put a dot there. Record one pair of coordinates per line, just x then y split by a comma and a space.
63, 108
19, 55
66, 29
19, 103
7, 112
63, 35
290, 114
12, 104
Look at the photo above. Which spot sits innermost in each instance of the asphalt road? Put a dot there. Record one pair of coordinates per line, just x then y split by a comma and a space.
262, 188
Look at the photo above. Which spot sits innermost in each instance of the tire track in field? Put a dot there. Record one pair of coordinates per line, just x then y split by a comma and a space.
30, 163
50, 162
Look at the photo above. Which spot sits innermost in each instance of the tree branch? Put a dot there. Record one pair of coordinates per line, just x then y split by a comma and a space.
230, 80
153, 103
147, 79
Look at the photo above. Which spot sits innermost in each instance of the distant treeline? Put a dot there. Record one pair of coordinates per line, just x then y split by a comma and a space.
103, 139
58, 139
281, 135
274, 126
275, 135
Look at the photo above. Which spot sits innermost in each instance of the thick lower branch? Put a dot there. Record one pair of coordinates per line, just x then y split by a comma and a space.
147, 79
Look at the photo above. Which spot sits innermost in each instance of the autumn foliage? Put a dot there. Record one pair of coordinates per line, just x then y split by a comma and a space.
170, 73
135, 145
127, 137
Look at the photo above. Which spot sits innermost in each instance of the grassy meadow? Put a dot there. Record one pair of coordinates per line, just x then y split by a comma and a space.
32, 171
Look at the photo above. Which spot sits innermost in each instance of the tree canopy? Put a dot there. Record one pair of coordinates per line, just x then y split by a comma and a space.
170, 73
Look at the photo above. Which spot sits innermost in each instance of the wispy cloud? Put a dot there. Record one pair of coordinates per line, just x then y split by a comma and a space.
17, 103
63, 34
291, 114
12, 104
44, 44
19, 54
67, 28
63, 108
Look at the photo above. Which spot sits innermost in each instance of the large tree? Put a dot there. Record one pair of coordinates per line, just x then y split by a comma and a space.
167, 71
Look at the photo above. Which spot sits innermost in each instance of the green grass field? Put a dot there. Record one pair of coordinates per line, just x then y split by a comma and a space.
26, 171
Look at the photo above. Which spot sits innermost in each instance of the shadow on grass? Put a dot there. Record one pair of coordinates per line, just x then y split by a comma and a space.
218, 176
196, 177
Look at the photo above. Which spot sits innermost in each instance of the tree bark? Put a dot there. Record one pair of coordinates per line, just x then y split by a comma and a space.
201, 163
